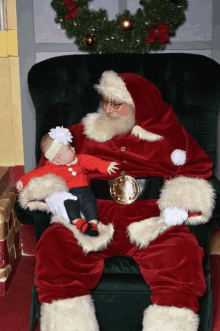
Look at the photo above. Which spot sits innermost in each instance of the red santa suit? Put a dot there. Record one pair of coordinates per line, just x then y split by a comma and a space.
170, 258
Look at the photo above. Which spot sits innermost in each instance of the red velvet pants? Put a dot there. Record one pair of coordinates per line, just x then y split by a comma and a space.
171, 265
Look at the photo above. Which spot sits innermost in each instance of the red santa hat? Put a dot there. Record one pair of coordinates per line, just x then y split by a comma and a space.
152, 114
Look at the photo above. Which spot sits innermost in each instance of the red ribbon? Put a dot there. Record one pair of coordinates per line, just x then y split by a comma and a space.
159, 32
72, 11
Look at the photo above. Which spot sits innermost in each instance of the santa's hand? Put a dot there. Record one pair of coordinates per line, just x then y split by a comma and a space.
112, 167
174, 216
19, 185
56, 206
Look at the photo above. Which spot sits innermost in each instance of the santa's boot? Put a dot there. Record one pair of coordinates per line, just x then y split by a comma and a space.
69, 315
163, 318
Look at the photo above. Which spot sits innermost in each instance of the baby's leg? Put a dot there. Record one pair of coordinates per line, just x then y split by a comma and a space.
73, 212
88, 206
72, 209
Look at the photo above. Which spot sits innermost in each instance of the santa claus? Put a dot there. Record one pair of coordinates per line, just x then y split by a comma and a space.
162, 184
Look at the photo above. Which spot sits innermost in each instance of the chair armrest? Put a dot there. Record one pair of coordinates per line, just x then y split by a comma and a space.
216, 213
39, 219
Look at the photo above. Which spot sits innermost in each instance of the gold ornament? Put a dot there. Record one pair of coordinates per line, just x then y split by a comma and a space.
126, 24
124, 189
89, 40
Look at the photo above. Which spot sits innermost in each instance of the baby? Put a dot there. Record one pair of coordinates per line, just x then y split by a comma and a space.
63, 162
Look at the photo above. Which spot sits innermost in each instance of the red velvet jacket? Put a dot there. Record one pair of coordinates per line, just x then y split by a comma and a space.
140, 158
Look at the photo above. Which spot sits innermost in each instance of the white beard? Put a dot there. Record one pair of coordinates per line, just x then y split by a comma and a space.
102, 127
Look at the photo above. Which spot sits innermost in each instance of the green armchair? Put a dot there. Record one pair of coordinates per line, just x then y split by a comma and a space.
62, 92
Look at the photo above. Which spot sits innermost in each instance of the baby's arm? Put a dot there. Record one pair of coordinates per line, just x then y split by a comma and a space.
19, 185
94, 163
38, 172
112, 167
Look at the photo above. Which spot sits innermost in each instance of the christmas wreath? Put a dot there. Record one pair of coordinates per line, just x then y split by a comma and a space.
147, 30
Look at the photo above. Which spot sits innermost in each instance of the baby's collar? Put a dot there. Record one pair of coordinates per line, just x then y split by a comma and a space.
74, 162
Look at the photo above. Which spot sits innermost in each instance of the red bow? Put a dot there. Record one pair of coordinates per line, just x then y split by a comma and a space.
159, 32
72, 11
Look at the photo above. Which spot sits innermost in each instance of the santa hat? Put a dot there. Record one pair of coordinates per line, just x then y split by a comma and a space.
113, 87
151, 112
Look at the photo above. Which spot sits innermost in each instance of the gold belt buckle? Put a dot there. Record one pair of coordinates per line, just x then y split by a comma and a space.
124, 189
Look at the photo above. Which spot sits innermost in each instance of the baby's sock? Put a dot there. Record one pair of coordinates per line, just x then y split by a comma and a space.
89, 229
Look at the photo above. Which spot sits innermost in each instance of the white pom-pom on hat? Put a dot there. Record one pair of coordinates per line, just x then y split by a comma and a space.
178, 157
61, 135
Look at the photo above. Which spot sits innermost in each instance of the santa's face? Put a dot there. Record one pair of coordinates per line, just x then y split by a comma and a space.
115, 109
65, 155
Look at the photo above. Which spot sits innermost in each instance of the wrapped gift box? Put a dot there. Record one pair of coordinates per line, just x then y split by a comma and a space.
10, 238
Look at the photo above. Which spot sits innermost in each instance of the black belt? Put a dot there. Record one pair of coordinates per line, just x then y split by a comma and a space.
149, 188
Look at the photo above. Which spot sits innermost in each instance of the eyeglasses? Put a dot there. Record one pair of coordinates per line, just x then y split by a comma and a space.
113, 104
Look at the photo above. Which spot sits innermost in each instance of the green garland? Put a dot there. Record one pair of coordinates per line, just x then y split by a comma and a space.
108, 36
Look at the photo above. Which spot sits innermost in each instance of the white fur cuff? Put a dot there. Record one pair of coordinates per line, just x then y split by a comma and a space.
38, 189
89, 244
163, 318
192, 194
143, 232
69, 315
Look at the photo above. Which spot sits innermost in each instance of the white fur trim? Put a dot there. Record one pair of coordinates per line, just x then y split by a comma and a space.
163, 318
89, 244
69, 315
98, 127
195, 220
38, 205
143, 232
178, 157
113, 87
101, 128
192, 194
39, 188
93, 130
139, 132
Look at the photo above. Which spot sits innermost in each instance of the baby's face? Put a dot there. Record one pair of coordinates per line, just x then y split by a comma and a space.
65, 155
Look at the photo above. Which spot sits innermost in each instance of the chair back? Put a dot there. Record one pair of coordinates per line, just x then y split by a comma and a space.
62, 89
